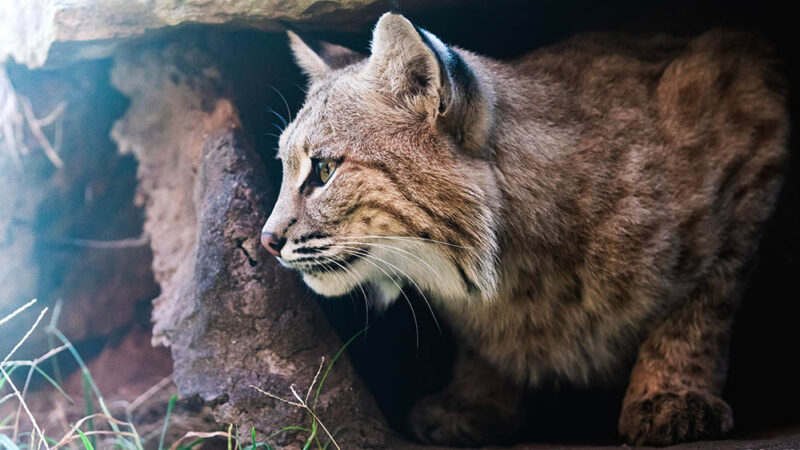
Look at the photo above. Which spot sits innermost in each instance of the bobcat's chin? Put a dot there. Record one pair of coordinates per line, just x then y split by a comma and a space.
384, 291
329, 284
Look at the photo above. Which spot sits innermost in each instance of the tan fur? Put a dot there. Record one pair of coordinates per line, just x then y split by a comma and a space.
564, 211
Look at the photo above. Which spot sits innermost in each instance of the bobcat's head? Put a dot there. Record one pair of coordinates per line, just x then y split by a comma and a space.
387, 179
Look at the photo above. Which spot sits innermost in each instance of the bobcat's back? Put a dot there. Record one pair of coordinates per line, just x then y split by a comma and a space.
633, 172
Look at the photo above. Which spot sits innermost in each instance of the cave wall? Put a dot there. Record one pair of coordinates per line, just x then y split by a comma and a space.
71, 234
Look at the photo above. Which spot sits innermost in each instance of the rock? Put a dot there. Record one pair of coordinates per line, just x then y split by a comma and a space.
230, 315
32, 26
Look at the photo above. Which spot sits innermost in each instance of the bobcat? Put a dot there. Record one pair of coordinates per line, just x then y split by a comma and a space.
590, 204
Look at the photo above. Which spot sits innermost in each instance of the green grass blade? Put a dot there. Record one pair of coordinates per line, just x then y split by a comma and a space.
330, 365
86, 443
308, 442
9, 372
43, 374
54, 383
192, 445
54, 361
170, 405
316, 439
87, 398
255, 444
312, 436
6, 420
282, 430
327, 444
6, 443
52, 343
85, 370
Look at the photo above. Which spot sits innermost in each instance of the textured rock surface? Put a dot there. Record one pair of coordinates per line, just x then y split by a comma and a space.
32, 26
231, 317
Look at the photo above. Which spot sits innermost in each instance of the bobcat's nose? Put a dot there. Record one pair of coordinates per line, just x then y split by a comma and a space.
272, 243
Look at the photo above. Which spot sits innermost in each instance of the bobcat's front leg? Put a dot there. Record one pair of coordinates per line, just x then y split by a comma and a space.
674, 389
478, 407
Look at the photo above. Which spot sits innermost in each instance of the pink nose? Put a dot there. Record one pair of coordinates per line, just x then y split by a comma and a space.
272, 243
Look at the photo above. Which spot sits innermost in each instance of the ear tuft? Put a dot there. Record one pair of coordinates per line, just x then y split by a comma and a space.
318, 58
308, 60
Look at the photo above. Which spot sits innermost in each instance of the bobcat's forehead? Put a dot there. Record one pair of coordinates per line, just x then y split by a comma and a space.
346, 116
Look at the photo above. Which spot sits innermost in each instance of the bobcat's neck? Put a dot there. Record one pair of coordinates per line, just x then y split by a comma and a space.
538, 214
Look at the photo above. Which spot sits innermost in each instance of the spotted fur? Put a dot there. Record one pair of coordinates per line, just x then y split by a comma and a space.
592, 203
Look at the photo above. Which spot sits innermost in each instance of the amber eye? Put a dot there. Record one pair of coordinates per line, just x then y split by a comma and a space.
322, 170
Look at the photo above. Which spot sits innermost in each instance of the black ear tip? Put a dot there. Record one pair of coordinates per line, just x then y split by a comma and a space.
290, 32
286, 26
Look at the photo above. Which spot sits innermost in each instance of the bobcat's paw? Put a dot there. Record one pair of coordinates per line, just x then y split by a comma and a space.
666, 418
444, 420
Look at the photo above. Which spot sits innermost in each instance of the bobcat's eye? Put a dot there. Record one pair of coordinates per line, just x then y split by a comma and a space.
322, 170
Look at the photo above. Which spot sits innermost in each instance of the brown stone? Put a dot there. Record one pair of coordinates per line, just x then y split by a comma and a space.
230, 315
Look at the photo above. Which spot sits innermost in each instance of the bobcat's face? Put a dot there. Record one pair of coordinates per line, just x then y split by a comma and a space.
377, 187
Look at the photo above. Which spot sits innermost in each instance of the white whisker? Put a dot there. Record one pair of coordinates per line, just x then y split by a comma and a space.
407, 238
356, 280
337, 277
419, 289
362, 254
397, 249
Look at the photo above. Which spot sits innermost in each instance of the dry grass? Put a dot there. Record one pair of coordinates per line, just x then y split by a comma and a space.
21, 429
16, 115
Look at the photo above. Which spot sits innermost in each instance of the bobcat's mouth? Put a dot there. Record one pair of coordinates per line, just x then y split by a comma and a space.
329, 271
314, 265
323, 259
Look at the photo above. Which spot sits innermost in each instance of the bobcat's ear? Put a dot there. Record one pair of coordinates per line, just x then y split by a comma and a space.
432, 79
402, 59
318, 58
